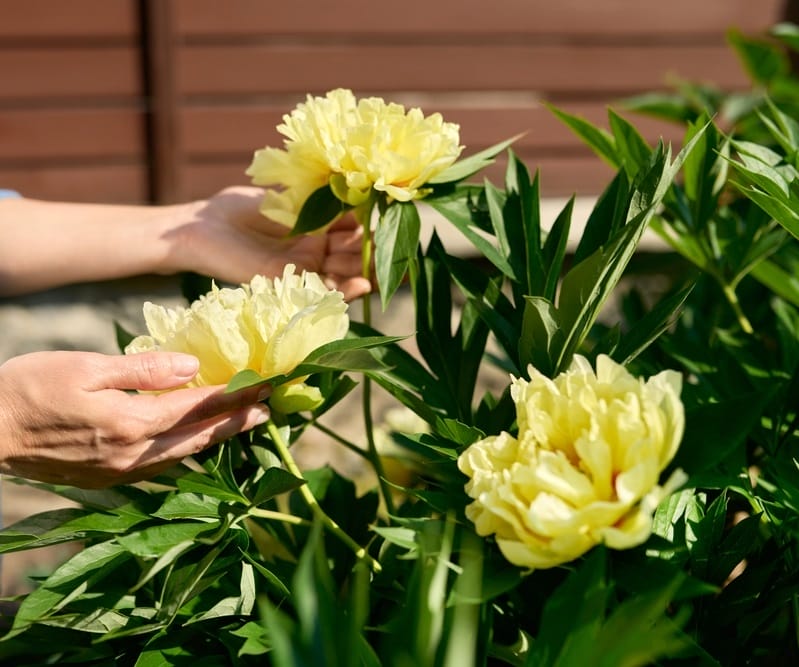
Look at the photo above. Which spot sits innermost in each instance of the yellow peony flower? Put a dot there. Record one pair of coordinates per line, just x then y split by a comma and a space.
268, 326
354, 146
585, 465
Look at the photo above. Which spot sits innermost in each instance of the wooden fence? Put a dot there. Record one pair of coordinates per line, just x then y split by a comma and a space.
163, 100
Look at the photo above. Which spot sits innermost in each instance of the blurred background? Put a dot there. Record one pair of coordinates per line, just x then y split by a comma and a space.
157, 101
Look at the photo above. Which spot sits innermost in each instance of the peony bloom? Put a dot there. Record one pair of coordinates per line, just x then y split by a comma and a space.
353, 146
584, 468
266, 326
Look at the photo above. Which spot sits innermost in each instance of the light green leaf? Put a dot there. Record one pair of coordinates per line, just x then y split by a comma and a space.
156, 540
472, 164
599, 140
188, 506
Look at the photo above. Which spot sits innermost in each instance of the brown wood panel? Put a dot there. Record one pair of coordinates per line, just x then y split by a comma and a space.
70, 133
122, 183
70, 18
44, 73
224, 130
259, 69
530, 17
560, 176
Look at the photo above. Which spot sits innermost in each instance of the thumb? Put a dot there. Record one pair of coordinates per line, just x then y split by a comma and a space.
150, 371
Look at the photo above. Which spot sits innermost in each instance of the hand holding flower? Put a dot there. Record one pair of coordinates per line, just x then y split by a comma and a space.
80, 426
225, 237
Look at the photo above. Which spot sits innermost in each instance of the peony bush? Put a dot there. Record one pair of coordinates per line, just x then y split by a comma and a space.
625, 494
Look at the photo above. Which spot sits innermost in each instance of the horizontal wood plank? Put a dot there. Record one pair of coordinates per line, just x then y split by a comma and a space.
43, 73
106, 19
466, 17
70, 133
113, 183
590, 70
225, 130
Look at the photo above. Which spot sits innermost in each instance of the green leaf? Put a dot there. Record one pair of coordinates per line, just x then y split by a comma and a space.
321, 208
244, 380
68, 581
123, 337
396, 240
154, 541
64, 525
641, 630
587, 286
554, 250
196, 482
651, 326
599, 140
348, 354
189, 506
572, 617
606, 218
472, 164
787, 33
459, 213
496, 209
525, 242
713, 430
666, 106
240, 605
542, 338
630, 145
763, 61
273, 482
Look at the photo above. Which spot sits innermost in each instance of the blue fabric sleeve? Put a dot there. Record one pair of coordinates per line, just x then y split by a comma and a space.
8, 194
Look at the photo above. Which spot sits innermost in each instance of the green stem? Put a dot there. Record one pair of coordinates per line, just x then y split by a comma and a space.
342, 441
272, 515
364, 216
732, 299
313, 504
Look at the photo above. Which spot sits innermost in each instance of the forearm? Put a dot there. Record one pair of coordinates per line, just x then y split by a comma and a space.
46, 244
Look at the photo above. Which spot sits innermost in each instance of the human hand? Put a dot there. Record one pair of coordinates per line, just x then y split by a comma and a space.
226, 237
66, 418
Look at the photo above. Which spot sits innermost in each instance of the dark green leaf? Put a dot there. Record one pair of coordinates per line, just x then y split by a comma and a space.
321, 208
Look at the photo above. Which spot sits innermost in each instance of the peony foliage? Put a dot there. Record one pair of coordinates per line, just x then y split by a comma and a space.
579, 465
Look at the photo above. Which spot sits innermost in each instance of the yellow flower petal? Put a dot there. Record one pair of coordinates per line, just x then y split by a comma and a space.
584, 467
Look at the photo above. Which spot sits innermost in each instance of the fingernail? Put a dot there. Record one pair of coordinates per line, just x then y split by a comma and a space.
263, 414
185, 366
266, 392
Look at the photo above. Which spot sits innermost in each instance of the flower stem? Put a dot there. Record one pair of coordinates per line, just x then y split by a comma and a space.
732, 299
277, 516
342, 441
364, 216
313, 504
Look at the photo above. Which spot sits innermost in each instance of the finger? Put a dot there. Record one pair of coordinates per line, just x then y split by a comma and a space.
347, 222
184, 407
342, 265
351, 288
178, 443
345, 242
147, 371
